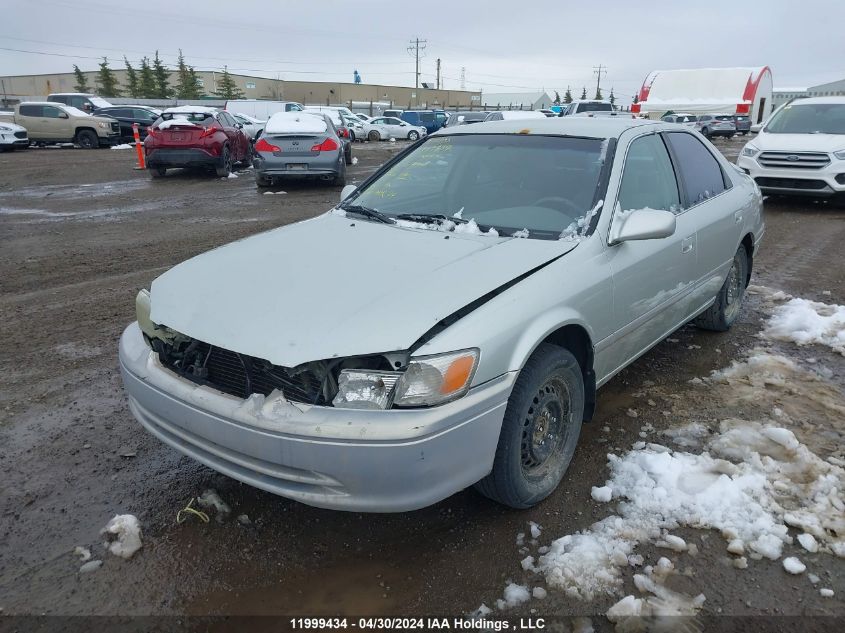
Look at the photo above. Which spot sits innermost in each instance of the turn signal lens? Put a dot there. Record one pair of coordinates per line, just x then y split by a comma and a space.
431, 380
263, 146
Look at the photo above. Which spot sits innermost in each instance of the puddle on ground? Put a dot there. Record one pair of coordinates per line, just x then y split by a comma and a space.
70, 192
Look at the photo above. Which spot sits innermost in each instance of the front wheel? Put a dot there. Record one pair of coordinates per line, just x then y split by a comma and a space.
540, 429
86, 139
413, 135
722, 314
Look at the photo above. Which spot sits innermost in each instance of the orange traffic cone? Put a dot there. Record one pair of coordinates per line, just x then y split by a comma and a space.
138, 147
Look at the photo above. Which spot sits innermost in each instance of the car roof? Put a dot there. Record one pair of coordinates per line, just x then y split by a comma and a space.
71, 94
49, 103
604, 127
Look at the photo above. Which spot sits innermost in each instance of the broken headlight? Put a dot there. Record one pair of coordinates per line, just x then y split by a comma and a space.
365, 389
431, 380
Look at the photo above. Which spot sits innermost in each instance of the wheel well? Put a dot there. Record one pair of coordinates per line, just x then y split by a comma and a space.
748, 243
84, 129
576, 339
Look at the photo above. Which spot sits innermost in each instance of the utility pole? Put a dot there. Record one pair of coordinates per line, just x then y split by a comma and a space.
463, 78
438, 73
416, 47
598, 70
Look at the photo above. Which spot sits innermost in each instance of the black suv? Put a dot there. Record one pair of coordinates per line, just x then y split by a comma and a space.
127, 115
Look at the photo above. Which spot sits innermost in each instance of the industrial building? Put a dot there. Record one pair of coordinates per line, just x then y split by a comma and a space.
26, 87
708, 90
516, 100
780, 96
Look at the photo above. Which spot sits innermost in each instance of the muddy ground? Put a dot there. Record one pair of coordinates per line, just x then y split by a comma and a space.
81, 232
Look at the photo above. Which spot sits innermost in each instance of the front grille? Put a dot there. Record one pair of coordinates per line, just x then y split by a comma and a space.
115, 126
791, 183
20, 134
241, 375
794, 160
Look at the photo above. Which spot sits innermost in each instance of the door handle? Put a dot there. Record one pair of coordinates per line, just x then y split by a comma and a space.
686, 245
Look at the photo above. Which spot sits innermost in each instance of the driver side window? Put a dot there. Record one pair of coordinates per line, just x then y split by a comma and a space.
648, 179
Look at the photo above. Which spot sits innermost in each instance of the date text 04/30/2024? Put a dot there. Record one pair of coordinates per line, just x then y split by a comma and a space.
421, 624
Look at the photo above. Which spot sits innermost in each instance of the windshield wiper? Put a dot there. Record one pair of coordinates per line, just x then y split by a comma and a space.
367, 212
430, 218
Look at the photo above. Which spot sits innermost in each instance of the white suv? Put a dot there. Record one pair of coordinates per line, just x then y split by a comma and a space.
801, 149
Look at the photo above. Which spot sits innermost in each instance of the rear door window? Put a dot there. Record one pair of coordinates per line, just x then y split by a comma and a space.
51, 113
700, 173
648, 179
31, 110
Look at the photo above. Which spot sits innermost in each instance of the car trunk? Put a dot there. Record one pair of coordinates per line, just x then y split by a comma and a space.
292, 145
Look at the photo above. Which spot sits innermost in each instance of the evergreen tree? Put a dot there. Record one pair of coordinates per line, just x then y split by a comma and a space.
612, 97
584, 93
598, 96
188, 86
227, 88
557, 98
131, 79
146, 80
162, 76
81, 82
567, 97
106, 81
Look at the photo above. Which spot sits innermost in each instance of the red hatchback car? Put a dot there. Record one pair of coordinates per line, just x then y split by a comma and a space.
196, 136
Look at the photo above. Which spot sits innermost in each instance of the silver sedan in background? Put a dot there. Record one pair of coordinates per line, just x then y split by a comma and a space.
296, 145
451, 321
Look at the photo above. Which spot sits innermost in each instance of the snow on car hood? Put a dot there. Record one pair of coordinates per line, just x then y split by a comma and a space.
799, 142
334, 286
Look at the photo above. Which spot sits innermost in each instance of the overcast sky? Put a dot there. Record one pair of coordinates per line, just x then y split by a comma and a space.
504, 46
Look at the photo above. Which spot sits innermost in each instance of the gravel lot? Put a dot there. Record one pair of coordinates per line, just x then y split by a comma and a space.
81, 232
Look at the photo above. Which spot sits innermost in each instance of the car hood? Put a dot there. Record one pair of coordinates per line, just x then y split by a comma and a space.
12, 127
799, 142
336, 286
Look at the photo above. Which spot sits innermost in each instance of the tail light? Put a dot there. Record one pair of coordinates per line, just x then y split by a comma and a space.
209, 131
343, 132
151, 131
263, 146
329, 145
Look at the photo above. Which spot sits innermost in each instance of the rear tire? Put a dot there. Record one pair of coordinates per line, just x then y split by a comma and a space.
86, 139
413, 135
347, 154
226, 168
540, 429
261, 181
721, 315
158, 172
374, 135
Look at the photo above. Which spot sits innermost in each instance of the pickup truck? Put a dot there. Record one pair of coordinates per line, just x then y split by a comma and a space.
58, 123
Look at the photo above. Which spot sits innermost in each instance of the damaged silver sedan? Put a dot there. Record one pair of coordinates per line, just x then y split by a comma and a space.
448, 324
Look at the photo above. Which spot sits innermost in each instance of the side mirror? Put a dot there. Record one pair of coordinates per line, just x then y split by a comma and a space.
347, 191
642, 224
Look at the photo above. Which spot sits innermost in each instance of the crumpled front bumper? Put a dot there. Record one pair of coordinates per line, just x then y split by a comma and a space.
372, 461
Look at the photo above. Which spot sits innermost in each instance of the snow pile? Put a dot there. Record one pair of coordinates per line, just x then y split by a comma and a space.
210, 499
471, 228
793, 565
354, 160
577, 229
521, 233
663, 610
123, 146
514, 596
190, 109
231, 175
124, 535
751, 483
805, 322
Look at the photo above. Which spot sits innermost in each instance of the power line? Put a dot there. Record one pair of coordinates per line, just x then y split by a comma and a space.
416, 47
597, 70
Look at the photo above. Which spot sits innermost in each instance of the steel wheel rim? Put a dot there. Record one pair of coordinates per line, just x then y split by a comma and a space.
545, 428
733, 296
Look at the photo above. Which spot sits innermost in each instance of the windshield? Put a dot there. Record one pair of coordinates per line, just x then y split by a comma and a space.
811, 118
594, 107
506, 182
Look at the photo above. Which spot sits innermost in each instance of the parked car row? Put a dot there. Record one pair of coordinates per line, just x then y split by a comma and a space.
711, 125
